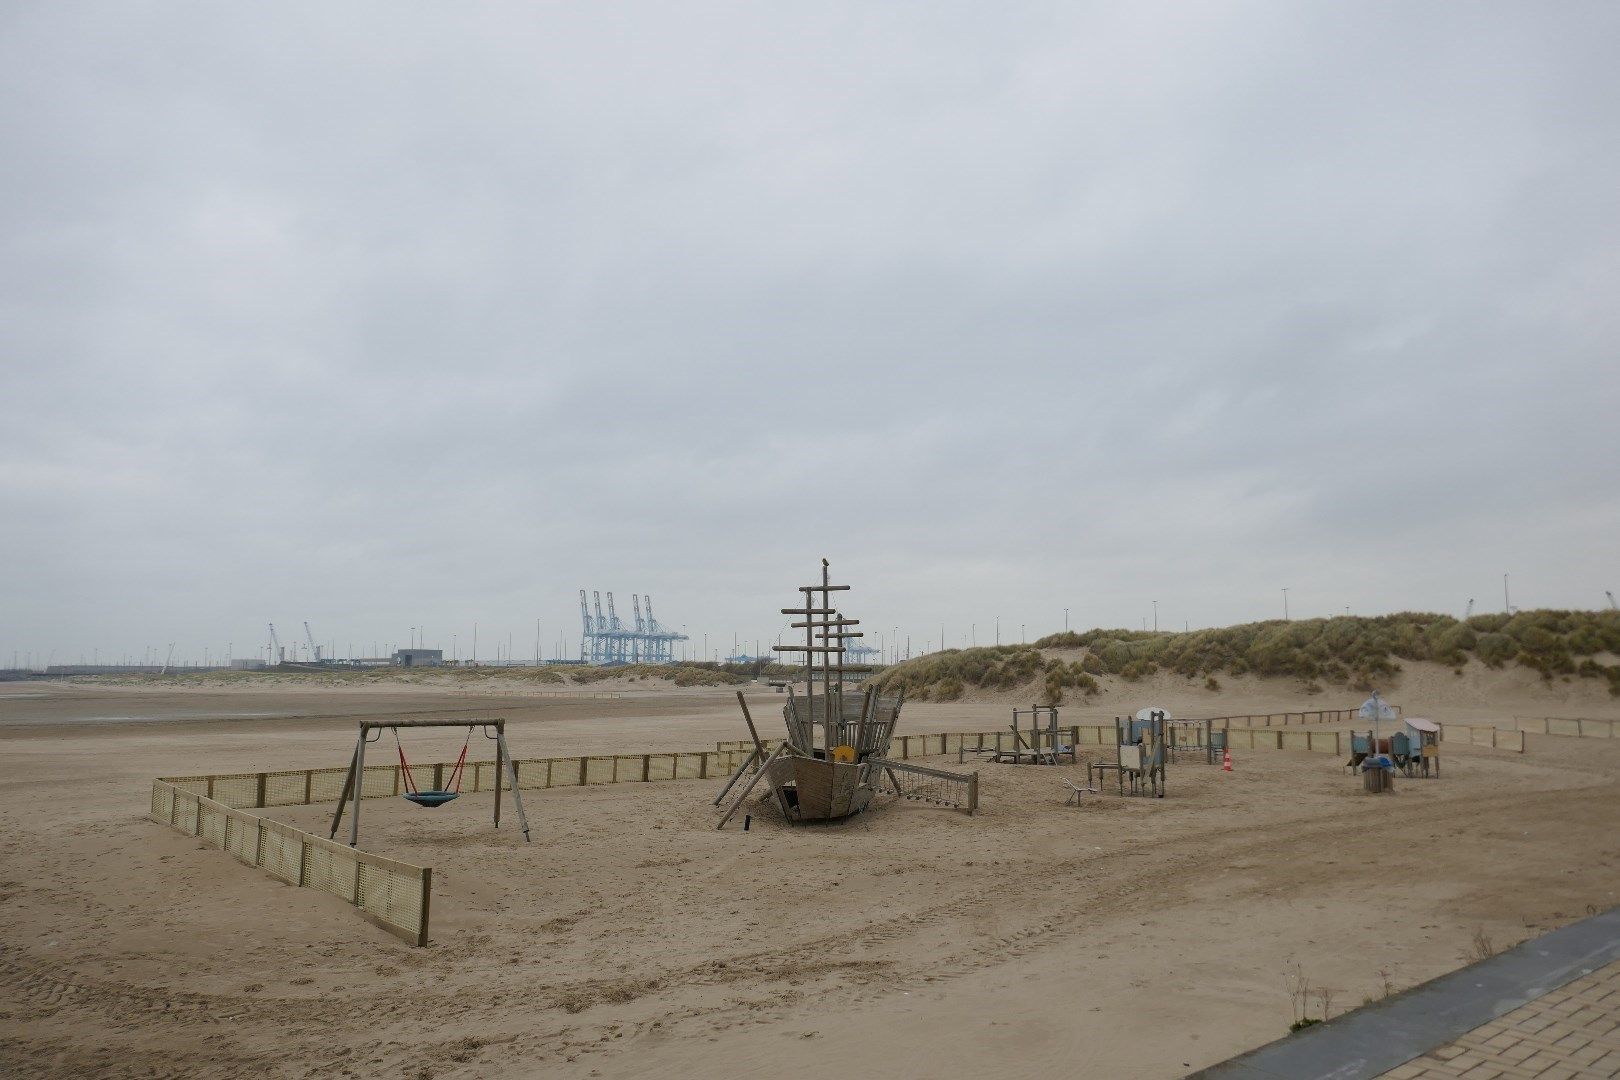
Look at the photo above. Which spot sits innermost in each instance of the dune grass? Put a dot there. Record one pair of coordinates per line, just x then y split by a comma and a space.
1352, 651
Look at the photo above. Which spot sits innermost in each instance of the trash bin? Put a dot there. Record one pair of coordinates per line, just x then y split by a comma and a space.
1378, 775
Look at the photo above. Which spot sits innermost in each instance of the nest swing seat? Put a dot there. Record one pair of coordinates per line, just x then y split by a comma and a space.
432, 798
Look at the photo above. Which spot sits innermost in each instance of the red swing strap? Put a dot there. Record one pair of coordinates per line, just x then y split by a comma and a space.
455, 774
405, 766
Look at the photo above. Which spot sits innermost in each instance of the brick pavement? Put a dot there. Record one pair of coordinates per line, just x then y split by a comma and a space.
1570, 1032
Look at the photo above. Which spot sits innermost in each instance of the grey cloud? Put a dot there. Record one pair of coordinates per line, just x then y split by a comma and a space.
384, 319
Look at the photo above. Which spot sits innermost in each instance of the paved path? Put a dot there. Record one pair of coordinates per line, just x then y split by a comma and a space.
1547, 1009
1573, 1031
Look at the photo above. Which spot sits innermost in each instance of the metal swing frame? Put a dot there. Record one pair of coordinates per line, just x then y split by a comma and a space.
504, 769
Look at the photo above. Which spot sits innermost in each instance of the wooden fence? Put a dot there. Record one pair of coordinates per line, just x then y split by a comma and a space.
393, 894
302, 787
906, 747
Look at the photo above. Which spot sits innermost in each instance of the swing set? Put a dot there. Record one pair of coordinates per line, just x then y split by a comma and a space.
444, 789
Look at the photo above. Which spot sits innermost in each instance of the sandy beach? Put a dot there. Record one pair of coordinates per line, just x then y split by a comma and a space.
1141, 937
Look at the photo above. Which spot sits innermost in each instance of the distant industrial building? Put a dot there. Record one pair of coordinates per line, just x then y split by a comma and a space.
418, 657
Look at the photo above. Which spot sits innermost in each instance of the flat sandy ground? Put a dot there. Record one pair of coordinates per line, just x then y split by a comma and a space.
1128, 938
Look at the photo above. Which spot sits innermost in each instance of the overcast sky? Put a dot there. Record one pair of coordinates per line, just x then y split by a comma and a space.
390, 315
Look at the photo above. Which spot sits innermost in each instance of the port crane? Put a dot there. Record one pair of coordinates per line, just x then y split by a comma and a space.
314, 649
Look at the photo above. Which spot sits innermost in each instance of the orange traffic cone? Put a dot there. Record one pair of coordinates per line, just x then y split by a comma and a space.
1226, 760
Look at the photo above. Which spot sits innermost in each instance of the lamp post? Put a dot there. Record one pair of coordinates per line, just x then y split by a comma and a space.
1285, 603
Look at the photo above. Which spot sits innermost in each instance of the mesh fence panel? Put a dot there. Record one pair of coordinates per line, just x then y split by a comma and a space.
284, 788
661, 766
599, 770
211, 825
236, 790
329, 870
380, 781
325, 785
162, 802
282, 852
242, 838
392, 897
185, 812
688, 766
535, 773
566, 772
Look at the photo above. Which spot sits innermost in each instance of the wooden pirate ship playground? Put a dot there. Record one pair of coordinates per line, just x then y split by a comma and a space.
835, 758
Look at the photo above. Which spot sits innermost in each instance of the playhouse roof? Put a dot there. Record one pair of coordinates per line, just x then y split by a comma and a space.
1417, 723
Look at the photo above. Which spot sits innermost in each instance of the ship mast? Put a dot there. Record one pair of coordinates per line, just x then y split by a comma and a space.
824, 634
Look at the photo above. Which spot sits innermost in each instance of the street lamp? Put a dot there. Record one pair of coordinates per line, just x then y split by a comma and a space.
1285, 604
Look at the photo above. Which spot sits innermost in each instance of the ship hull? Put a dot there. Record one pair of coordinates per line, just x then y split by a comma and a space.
813, 789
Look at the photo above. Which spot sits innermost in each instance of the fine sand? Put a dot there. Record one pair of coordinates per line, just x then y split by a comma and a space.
1128, 938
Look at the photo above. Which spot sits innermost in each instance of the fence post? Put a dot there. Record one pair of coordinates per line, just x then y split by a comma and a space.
646, 767
303, 858
427, 898
260, 794
583, 764
309, 779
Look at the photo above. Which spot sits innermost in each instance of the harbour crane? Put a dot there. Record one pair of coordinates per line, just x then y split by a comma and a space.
616, 640
603, 645
278, 655
314, 649
641, 631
